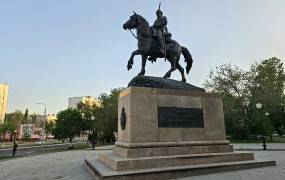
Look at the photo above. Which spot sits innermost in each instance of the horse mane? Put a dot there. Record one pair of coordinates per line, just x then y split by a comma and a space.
143, 20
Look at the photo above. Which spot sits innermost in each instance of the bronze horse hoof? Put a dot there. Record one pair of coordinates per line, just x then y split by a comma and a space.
129, 66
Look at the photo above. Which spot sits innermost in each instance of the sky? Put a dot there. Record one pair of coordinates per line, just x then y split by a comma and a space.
51, 50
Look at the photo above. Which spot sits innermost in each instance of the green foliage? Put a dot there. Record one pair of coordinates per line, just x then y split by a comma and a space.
68, 124
88, 113
26, 117
12, 121
15, 118
241, 90
26, 136
3, 130
96, 121
50, 128
100, 121
93, 136
33, 117
107, 114
271, 77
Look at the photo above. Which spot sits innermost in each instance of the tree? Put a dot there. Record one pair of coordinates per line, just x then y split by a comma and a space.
2, 130
241, 90
9, 127
88, 113
104, 122
13, 120
26, 117
68, 124
33, 117
271, 77
107, 114
232, 83
26, 136
50, 128
96, 121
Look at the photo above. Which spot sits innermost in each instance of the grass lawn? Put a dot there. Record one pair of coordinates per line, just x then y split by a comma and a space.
10, 144
4, 145
5, 157
276, 139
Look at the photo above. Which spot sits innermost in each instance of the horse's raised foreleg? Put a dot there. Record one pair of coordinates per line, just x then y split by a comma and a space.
131, 60
144, 58
173, 67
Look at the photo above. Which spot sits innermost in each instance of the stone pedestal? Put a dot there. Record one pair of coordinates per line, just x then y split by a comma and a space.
168, 133
142, 126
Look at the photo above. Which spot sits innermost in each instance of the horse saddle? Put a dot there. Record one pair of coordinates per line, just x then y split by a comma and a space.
167, 35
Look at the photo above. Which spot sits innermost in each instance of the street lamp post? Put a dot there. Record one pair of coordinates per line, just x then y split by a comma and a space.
267, 118
92, 135
259, 106
15, 144
44, 123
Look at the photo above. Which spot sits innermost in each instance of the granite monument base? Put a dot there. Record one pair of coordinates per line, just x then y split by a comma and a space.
102, 171
170, 133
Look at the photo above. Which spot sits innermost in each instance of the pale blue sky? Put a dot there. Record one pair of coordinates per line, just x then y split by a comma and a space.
51, 50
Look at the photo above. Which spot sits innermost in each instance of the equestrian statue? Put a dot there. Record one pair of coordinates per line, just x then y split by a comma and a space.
155, 42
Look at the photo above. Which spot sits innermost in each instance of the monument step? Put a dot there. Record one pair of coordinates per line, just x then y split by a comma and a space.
120, 163
172, 150
102, 171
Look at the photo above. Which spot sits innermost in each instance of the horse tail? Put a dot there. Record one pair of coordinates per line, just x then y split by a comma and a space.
188, 59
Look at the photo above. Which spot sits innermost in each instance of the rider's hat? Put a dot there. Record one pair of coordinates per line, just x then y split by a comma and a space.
159, 11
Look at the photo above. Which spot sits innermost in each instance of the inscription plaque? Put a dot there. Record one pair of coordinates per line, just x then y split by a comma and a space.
180, 117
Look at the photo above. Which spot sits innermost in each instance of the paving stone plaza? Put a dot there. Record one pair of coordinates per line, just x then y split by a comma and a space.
69, 165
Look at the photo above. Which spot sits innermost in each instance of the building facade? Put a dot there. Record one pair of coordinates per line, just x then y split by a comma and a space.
29, 131
73, 101
3, 101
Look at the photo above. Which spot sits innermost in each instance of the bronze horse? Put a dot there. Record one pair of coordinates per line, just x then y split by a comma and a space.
147, 47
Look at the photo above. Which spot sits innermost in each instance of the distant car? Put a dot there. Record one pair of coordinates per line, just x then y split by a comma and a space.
40, 142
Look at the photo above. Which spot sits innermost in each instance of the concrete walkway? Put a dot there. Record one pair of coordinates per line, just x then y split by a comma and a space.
268, 173
69, 166
62, 165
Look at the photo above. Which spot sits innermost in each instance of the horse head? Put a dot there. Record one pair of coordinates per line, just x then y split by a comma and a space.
134, 22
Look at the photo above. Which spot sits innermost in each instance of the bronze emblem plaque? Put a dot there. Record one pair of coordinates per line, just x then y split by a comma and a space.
123, 119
